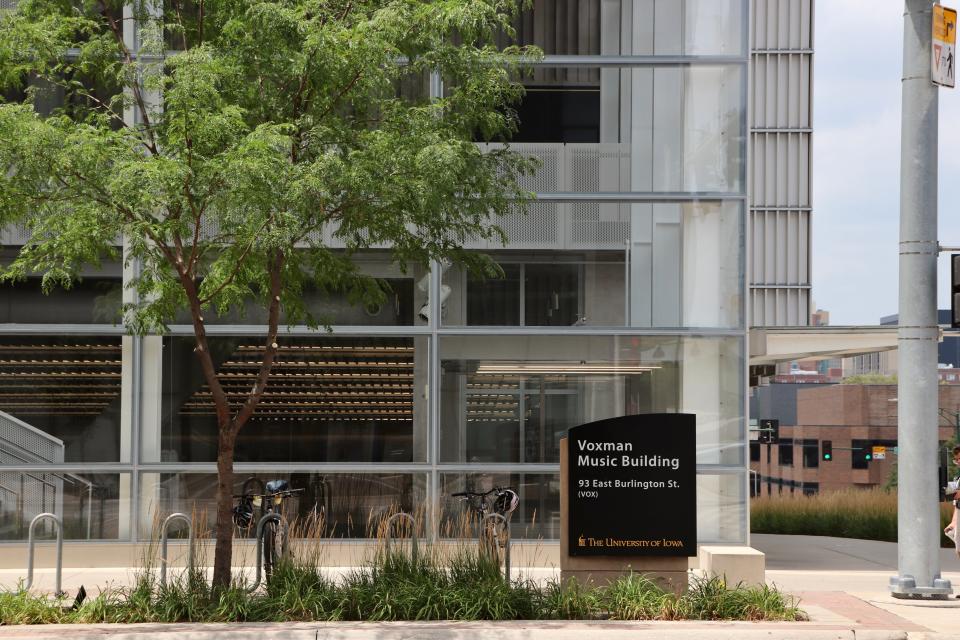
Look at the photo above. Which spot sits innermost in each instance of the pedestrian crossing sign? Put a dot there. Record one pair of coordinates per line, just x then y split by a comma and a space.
943, 50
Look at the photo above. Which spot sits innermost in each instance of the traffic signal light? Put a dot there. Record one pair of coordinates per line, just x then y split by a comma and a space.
868, 456
769, 431
955, 290
826, 450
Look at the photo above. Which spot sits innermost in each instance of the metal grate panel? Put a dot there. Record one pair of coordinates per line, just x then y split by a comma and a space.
598, 226
21, 442
536, 229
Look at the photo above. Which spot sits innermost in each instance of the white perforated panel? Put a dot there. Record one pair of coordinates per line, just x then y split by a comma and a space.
575, 168
14, 235
537, 229
598, 226
20, 442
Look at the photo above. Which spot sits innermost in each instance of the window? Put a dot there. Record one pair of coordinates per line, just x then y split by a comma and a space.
353, 504
90, 504
537, 514
754, 452
404, 295
559, 114
94, 298
540, 288
61, 399
811, 453
785, 452
328, 399
494, 301
509, 398
811, 488
572, 27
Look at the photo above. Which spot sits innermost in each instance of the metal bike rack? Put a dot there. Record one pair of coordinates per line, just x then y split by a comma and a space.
279, 519
413, 533
30, 545
163, 544
485, 544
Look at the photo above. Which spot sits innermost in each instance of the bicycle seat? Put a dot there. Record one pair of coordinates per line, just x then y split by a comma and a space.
276, 486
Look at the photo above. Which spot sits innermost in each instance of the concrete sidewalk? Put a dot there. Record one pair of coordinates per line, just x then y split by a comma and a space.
608, 630
861, 569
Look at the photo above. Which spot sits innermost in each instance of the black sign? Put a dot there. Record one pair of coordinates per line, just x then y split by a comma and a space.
632, 486
769, 431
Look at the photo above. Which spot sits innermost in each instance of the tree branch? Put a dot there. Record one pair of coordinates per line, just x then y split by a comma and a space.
89, 96
341, 93
236, 265
270, 347
220, 401
135, 85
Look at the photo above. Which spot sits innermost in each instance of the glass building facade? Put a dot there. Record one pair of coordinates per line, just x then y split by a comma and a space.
624, 292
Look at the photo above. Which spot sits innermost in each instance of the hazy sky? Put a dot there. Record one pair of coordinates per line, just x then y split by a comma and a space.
858, 61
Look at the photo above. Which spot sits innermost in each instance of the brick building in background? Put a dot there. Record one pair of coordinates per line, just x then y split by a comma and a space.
854, 418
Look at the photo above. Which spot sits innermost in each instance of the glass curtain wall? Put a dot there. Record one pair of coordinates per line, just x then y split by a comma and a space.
622, 292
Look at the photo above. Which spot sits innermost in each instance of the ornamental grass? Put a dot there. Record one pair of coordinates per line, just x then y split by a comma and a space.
444, 581
866, 514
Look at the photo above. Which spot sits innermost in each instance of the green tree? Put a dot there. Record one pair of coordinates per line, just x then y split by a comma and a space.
272, 121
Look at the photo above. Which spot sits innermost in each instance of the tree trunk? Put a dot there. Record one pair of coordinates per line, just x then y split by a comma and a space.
223, 553
228, 427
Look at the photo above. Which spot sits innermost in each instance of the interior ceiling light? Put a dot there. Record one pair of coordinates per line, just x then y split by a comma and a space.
560, 367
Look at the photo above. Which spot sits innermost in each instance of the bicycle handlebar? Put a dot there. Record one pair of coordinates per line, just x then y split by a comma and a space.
466, 494
285, 492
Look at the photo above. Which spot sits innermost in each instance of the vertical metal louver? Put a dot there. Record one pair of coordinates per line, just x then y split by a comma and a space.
780, 155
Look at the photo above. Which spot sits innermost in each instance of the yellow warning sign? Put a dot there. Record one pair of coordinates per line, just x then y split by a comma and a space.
944, 24
943, 49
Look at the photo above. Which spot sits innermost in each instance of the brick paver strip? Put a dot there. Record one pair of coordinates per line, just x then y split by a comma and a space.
862, 614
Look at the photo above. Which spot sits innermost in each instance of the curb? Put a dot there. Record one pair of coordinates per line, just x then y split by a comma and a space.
522, 630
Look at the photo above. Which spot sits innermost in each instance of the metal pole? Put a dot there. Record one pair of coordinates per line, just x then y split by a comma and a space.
281, 523
164, 535
918, 527
414, 552
30, 547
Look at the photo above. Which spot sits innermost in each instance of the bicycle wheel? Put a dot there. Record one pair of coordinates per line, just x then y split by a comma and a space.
271, 548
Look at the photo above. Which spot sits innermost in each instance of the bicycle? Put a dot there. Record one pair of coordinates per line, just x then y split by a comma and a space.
494, 532
271, 499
